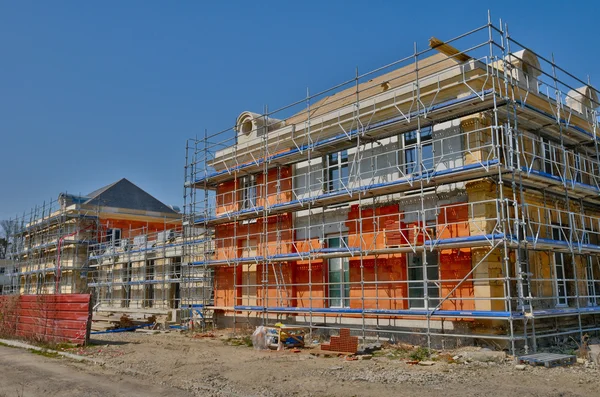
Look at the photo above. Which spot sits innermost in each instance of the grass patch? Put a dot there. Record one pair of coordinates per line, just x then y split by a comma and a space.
391, 354
45, 353
420, 354
243, 341
55, 346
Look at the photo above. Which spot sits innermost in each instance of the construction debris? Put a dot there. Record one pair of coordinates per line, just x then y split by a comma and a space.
483, 355
342, 343
548, 360
369, 349
594, 354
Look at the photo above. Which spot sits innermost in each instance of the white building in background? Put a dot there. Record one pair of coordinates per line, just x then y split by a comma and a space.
8, 277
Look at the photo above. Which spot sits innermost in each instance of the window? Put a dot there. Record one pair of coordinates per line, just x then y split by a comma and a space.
39, 284
113, 236
108, 294
580, 167
514, 143
149, 287
127, 276
594, 280
547, 153
337, 171
339, 276
558, 233
2, 270
589, 264
175, 288
248, 191
418, 284
410, 143
420, 278
594, 172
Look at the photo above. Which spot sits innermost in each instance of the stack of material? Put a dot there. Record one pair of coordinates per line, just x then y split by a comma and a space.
104, 321
343, 343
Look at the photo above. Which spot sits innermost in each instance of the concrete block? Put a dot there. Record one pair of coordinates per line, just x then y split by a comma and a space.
484, 356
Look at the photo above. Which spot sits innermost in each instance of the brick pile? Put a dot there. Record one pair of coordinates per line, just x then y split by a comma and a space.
343, 343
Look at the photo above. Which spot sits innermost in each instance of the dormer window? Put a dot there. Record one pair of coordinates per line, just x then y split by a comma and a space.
525, 68
246, 127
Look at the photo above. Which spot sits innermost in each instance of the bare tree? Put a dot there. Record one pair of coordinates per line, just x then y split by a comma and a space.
8, 229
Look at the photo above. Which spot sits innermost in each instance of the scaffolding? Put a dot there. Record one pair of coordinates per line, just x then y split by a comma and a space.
453, 193
71, 245
48, 247
143, 271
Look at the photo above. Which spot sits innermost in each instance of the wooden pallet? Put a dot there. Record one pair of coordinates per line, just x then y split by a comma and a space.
548, 360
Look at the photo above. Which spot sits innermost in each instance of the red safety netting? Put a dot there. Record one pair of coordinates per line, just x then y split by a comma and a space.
46, 318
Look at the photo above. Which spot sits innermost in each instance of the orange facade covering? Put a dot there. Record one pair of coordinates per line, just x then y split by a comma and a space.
131, 228
376, 281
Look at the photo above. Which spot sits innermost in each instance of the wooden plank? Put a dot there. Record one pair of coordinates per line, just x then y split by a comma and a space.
447, 49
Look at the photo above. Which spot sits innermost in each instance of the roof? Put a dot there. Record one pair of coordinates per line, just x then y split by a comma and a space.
124, 194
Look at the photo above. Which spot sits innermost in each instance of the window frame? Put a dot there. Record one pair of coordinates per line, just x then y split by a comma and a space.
110, 236
414, 142
431, 256
249, 191
562, 299
590, 281
547, 153
340, 164
344, 272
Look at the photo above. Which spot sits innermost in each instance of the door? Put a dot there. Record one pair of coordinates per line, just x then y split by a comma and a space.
589, 272
175, 293
339, 276
127, 285
149, 287
559, 268
249, 286
418, 284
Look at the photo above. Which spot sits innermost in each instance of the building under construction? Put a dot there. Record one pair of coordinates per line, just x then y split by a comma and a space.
52, 244
454, 193
143, 272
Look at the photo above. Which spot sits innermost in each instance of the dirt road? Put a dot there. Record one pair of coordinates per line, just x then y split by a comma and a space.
25, 374
177, 365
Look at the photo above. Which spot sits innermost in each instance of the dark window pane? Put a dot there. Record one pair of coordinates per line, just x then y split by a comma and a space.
427, 154
410, 160
426, 133
410, 138
345, 174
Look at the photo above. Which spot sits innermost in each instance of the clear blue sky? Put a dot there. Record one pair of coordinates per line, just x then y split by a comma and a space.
91, 92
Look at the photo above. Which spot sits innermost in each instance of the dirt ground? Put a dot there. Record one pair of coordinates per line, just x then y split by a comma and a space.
179, 365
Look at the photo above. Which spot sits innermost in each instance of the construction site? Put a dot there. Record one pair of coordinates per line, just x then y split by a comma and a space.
75, 244
452, 196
